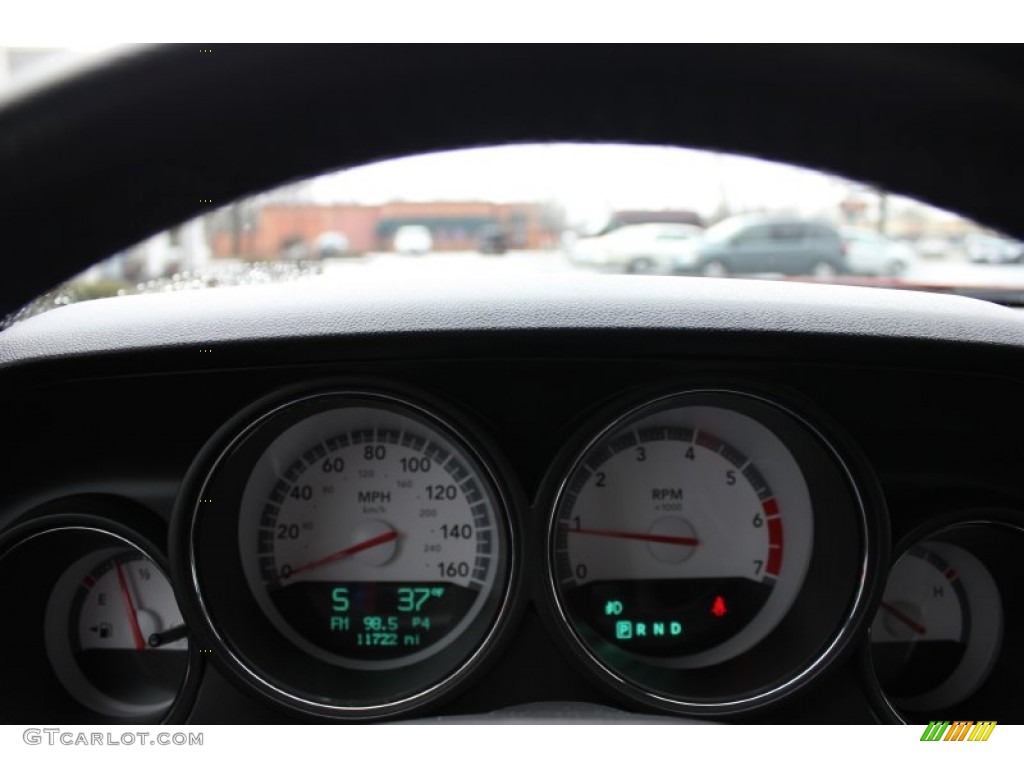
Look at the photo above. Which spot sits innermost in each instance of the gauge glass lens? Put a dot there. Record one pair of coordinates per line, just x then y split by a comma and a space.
681, 537
114, 634
370, 537
938, 630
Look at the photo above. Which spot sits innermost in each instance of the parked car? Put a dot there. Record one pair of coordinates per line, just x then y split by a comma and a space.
988, 249
492, 240
413, 240
294, 248
870, 253
330, 244
637, 248
933, 247
763, 243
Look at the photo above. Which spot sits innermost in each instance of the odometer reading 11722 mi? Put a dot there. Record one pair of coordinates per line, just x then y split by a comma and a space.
372, 538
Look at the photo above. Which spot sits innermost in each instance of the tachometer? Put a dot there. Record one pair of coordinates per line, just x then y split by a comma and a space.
351, 553
675, 546
686, 542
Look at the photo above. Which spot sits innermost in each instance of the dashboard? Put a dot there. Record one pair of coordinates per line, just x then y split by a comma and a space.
771, 521
703, 499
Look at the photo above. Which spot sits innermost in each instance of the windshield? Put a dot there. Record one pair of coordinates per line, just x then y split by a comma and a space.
602, 209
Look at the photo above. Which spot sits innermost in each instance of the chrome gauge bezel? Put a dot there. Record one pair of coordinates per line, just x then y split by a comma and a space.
797, 650
67, 531
946, 527
305, 683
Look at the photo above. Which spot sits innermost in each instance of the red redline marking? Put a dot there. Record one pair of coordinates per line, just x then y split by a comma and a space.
775, 531
774, 561
950, 574
770, 507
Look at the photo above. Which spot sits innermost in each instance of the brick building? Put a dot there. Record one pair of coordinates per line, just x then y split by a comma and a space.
266, 231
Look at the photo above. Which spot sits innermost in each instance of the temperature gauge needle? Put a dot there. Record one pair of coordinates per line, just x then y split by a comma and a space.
901, 616
133, 620
682, 541
376, 541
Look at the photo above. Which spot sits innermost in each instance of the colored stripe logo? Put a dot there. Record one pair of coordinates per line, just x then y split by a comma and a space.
959, 730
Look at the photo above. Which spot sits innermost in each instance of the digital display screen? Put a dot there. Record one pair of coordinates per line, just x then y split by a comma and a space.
668, 617
373, 620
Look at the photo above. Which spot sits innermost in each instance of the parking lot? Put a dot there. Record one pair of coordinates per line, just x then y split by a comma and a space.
465, 262
950, 271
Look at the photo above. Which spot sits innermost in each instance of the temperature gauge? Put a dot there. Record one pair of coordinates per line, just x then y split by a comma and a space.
937, 634
115, 636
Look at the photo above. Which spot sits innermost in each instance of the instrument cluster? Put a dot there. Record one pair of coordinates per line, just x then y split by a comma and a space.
357, 550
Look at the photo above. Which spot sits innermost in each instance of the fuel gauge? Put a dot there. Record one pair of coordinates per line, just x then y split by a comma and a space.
939, 628
115, 636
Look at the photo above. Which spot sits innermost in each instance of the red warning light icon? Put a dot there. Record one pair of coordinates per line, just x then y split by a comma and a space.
718, 606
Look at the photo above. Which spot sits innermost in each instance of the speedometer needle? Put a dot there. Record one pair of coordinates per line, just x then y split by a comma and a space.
901, 616
683, 541
376, 541
133, 620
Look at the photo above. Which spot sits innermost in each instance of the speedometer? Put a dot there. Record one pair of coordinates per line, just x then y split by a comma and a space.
376, 544
350, 553
708, 550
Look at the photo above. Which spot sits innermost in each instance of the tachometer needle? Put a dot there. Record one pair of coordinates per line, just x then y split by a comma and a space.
901, 616
133, 620
376, 541
683, 541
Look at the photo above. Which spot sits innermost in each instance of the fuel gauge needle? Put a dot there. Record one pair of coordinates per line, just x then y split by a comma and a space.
133, 621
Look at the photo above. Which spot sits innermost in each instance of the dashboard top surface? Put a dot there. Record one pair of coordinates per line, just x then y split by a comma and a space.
589, 303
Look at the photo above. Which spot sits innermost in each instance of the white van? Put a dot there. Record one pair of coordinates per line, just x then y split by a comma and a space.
414, 240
